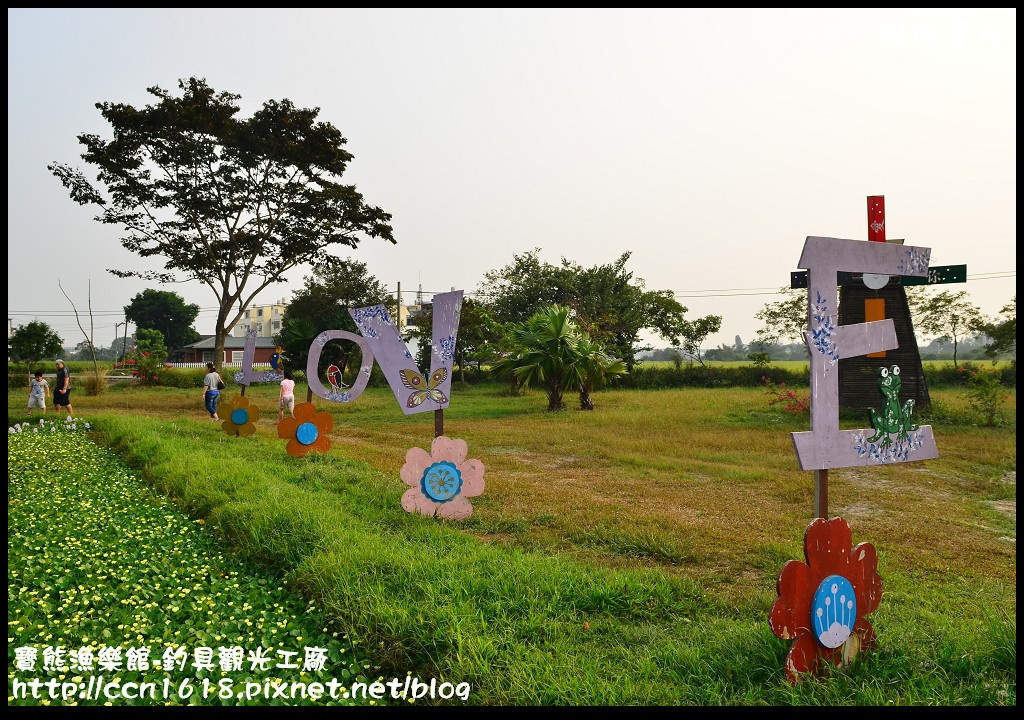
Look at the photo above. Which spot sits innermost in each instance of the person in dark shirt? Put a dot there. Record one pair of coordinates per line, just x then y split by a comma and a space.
62, 389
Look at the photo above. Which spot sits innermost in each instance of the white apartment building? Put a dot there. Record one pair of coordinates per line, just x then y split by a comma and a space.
264, 319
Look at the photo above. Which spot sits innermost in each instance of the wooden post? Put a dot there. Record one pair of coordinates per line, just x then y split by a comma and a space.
243, 391
821, 494
438, 423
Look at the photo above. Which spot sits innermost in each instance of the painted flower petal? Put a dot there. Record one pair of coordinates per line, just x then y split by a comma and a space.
254, 413
458, 509
287, 427
791, 611
866, 632
324, 422
229, 427
416, 461
322, 444
802, 657
415, 501
240, 401
297, 449
451, 449
304, 412
472, 478
827, 546
246, 429
864, 578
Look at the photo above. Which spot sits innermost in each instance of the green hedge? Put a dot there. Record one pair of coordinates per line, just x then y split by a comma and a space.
944, 376
659, 378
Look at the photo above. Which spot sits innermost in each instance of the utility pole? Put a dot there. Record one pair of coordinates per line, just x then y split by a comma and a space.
399, 311
124, 347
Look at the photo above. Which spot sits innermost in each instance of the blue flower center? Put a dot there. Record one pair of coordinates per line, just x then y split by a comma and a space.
833, 611
307, 433
239, 416
441, 482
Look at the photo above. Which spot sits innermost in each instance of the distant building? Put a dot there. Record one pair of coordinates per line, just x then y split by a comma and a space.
408, 312
264, 319
203, 351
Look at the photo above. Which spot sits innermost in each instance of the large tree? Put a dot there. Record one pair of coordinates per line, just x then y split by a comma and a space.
232, 202
322, 304
1003, 332
33, 342
783, 319
478, 340
164, 311
607, 301
696, 332
945, 315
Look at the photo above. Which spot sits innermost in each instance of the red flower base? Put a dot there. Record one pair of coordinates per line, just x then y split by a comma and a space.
816, 607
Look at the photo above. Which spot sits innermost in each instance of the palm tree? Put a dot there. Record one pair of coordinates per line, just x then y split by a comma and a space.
549, 350
596, 369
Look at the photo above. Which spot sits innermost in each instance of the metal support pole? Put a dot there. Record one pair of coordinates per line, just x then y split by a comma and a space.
438, 423
821, 494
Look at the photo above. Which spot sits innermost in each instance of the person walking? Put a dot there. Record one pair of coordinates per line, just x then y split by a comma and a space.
38, 391
287, 399
62, 389
211, 390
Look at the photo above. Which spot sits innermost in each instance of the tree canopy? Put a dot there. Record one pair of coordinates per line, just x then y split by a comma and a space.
607, 301
1003, 332
32, 342
945, 315
479, 334
164, 311
322, 304
228, 201
783, 319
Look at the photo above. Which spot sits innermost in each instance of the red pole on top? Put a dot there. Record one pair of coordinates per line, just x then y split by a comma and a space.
876, 218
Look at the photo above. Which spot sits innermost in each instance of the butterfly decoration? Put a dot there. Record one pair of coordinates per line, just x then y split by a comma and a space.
422, 389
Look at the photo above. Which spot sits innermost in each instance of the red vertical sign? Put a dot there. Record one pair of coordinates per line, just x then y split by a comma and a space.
876, 218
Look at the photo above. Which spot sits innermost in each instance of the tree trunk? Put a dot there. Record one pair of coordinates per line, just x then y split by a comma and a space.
555, 399
222, 333
309, 394
585, 402
462, 368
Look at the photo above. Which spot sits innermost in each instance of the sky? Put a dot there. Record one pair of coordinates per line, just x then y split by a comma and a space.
708, 143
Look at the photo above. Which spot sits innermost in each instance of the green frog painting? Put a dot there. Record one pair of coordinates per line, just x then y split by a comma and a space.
892, 418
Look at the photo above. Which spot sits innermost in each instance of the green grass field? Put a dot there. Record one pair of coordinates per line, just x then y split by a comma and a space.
623, 556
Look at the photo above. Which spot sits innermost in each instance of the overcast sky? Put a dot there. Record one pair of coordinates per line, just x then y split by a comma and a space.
709, 143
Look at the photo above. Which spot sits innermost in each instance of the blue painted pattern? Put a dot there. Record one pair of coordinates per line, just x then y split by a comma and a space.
307, 433
441, 482
239, 416
833, 611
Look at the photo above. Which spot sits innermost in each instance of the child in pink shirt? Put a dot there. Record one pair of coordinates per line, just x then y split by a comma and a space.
287, 397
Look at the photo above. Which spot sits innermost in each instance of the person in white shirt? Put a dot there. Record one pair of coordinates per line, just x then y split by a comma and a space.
38, 391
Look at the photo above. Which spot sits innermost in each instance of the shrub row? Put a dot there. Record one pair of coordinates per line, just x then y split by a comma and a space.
659, 378
943, 376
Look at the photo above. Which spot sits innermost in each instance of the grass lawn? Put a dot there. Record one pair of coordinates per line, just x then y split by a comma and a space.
623, 556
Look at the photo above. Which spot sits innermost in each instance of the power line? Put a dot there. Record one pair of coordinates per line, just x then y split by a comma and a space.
706, 292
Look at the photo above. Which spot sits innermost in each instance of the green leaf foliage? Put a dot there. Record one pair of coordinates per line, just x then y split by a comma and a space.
232, 202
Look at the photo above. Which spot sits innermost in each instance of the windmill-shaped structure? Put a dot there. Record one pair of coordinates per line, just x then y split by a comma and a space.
865, 297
